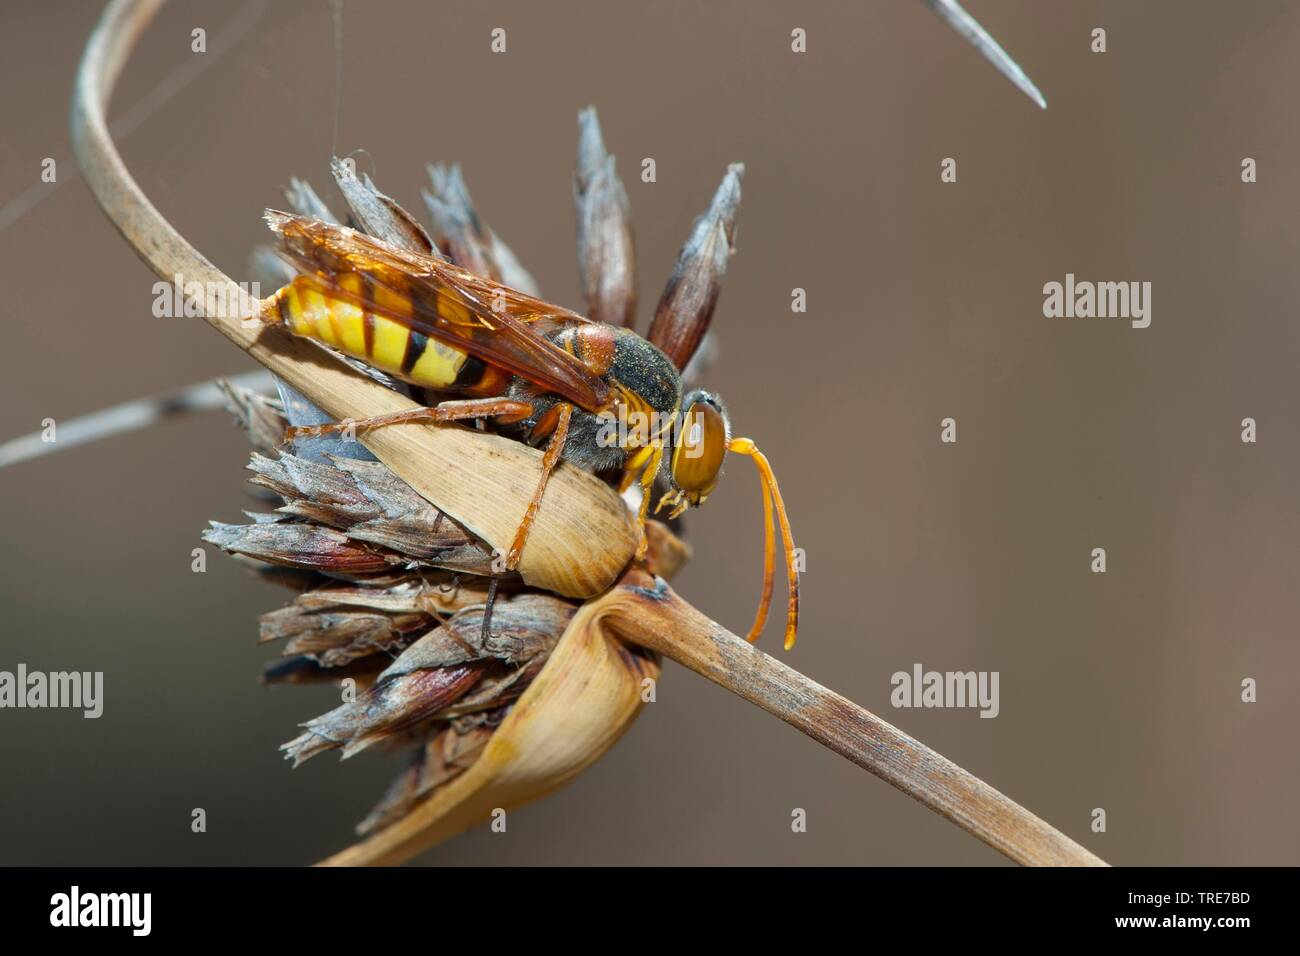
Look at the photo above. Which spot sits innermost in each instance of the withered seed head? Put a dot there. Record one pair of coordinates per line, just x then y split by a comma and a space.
450, 671
445, 755
358, 516
392, 591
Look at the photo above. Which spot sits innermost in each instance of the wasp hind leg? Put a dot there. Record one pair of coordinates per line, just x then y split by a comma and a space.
456, 411
555, 420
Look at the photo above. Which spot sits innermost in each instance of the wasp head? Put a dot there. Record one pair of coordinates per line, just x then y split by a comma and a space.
699, 446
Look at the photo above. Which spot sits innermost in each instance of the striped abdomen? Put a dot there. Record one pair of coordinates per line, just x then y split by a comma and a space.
379, 341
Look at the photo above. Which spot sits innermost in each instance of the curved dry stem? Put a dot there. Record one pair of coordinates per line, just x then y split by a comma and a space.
580, 541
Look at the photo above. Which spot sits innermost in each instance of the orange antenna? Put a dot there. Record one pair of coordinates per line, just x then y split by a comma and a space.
772, 496
769, 567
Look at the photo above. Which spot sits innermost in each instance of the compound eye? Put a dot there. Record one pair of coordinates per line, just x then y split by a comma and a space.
699, 450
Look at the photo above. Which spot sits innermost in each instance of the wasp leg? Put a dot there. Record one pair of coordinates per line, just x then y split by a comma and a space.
647, 488
673, 500
633, 466
646, 462
556, 418
445, 412
487, 609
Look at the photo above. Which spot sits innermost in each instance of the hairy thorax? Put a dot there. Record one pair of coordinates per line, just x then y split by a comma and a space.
645, 391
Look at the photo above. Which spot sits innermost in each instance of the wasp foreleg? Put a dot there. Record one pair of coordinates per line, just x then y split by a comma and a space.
648, 475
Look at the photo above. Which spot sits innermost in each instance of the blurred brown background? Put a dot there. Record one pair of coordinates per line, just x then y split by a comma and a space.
1118, 691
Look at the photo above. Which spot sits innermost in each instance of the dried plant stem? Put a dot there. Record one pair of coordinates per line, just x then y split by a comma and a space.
653, 616
128, 416
581, 540
974, 34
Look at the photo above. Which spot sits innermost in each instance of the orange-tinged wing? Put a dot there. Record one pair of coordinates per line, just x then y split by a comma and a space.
490, 321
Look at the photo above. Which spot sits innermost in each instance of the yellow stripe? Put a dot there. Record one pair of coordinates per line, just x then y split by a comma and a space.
438, 366
316, 314
347, 318
390, 344
299, 324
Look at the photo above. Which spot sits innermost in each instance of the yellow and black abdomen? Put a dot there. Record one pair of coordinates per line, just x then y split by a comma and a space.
380, 342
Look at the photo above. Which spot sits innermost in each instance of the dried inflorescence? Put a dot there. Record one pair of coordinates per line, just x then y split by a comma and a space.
392, 592
392, 596
444, 756
452, 672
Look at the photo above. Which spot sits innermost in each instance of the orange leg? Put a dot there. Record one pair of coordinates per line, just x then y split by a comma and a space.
633, 465
446, 412
562, 413
646, 460
648, 476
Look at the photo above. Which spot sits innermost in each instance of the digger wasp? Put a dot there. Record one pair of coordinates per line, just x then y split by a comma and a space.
537, 371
